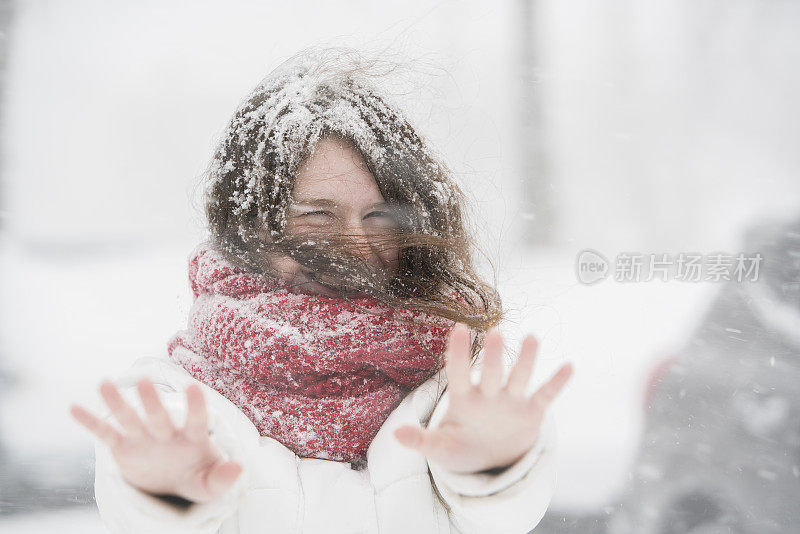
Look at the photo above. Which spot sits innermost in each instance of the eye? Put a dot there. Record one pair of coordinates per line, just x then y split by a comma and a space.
379, 213
318, 212
383, 219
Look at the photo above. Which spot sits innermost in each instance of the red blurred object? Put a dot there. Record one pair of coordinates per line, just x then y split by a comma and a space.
657, 373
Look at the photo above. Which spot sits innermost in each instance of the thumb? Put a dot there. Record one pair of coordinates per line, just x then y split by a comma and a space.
221, 477
429, 443
409, 436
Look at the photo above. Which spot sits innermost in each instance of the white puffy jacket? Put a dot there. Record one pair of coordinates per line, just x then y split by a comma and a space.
279, 492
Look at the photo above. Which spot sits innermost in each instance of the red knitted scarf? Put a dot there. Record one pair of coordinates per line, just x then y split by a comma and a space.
316, 373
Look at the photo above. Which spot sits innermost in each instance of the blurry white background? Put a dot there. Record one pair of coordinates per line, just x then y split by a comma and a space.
628, 125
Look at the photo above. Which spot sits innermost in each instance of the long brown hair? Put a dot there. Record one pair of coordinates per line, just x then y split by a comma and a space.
329, 93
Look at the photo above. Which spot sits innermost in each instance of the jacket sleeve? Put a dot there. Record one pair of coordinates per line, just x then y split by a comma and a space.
127, 510
511, 501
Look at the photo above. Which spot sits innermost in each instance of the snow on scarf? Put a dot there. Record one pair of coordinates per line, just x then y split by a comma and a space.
315, 373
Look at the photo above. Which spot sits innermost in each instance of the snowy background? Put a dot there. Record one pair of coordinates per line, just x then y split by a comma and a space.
657, 126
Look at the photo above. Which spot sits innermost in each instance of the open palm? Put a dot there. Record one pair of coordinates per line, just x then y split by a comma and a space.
488, 424
154, 454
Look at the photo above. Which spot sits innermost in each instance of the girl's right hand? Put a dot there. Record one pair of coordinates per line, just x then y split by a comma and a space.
155, 456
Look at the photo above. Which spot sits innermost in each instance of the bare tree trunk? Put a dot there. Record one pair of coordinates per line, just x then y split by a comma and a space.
6, 12
537, 211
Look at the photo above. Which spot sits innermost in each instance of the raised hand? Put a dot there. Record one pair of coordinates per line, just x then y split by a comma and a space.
488, 424
153, 454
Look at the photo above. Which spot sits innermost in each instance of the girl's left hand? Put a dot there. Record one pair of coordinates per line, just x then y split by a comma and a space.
487, 425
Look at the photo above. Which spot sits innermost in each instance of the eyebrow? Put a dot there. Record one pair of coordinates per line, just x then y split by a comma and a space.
324, 202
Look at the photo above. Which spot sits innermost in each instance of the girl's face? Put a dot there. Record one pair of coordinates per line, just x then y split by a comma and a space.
335, 193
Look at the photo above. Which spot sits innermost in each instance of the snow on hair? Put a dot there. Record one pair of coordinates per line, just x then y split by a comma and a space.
323, 92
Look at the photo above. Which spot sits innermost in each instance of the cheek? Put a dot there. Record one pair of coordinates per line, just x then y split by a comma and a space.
389, 257
387, 248
286, 267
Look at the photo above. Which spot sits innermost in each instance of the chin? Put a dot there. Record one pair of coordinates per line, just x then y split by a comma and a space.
312, 287
315, 288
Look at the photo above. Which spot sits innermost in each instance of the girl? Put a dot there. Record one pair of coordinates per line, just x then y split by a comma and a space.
326, 363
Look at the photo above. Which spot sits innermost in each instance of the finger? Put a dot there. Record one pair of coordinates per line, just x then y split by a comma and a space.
123, 412
196, 416
545, 395
457, 363
160, 424
492, 368
521, 372
101, 429
430, 443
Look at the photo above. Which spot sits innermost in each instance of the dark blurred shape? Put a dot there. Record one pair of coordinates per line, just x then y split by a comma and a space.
721, 447
555, 522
